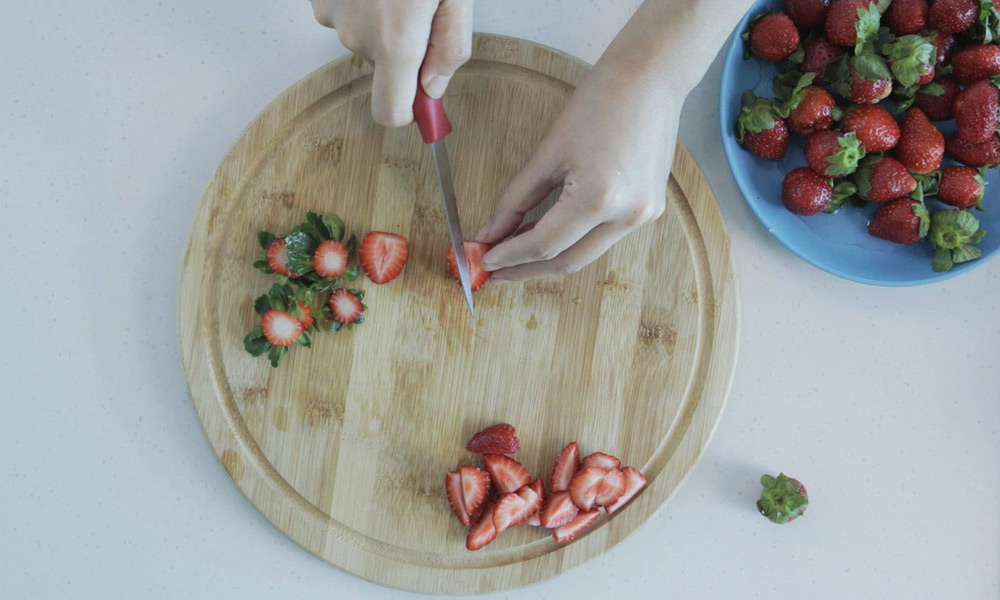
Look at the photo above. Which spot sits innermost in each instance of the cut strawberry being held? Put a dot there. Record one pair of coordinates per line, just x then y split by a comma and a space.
474, 252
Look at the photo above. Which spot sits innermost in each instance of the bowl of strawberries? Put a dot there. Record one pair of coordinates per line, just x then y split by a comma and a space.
863, 133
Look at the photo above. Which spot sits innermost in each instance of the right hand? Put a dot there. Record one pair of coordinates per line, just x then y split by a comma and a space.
404, 39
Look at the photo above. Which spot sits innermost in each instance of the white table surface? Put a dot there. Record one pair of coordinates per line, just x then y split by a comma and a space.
113, 117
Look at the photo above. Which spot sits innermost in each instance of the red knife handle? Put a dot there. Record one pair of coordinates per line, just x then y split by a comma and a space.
430, 117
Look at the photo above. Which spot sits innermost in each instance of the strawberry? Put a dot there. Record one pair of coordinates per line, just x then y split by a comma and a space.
280, 328
976, 62
911, 59
874, 127
761, 128
583, 488
330, 259
570, 530
977, 112
842, 20
904, 221
453, 489
475, 488
806, 193
382, 256
905, 17
345, 307
814, 112
833, 154
936, 100
962, 187
921, 145
484, 531
557, 510
774, 37
975, 155
533, 520
952, 235
634, 482
807, 14
952, 16
610, 489
507, 474
927, 73
881, 179
277, 258
305, 314
565, 468
495, 439
783, 499
514, 508
867, 89
819, 52
539, 488
474, 252
602, 460
944, 43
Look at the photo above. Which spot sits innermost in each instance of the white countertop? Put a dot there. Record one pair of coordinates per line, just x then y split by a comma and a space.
113, 117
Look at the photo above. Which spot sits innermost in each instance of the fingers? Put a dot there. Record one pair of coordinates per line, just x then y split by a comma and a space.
450, 45
393, 88
526, 191
579, 255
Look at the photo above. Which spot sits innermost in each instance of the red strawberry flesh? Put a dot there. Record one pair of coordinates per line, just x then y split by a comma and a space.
495, 439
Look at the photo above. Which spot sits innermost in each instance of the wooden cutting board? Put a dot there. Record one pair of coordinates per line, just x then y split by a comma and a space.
344, 447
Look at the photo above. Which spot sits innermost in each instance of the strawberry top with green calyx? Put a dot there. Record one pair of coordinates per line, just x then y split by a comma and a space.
757, 115
783, 499
834, 154
281, 297
952, 235
300, 247
910, 58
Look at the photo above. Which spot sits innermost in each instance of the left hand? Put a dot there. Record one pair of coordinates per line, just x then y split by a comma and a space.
610, 150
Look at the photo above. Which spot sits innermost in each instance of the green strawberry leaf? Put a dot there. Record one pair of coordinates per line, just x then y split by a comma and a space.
925, 218
255, 342
845, 160
263, 267
789, 86
871, 67
929, 183
977, 237
909, 57
942, 260
275, 354
965, 253
334, 226
351, 245
352, 272
264, 238
841, 193
261, 305
953, 228
838, 70
867, 26
304, 340
757, 114
932, 89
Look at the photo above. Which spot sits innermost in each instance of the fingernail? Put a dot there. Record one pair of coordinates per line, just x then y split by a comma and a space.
436, 85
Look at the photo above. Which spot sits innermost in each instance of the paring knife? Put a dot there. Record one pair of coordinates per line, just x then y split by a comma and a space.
434, 126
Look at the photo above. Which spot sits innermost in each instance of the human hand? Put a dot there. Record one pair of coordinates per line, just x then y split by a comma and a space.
402, 38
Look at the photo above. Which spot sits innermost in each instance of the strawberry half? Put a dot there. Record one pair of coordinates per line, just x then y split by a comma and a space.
610, 489
330, 259
280, 328
570, 530
565, 468
345, 307
277, 258
507, 474
557, 510
453, 489
495, 439
634, 482
475, 489
474, 252
583, 488
514, 508
383, 256
602, 460
484, 531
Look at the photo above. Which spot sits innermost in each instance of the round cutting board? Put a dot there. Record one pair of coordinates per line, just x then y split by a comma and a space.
344, 447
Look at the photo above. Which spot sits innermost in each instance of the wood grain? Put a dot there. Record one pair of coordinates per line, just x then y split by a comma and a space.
344, 447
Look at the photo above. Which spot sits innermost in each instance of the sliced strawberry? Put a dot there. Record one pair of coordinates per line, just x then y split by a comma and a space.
475, 488
583, 488
484, 531
539, 487
345, 307
453, 488
495, 439
305, 314
330, 259
611, 488
508, 475
572, 529
533, 521
382, 256
566, 467
280, 328
474, 252
634, 482
277, 258
514, 508
602, 460
557, 510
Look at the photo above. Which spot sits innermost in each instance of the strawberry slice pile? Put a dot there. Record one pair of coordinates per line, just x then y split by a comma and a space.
844, 68
504, 495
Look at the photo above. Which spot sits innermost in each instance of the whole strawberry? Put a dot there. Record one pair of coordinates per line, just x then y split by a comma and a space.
977, 112
962, 187
833, 154
867, 87
952, 235
805, 193
911, 59
774, 37
874, 127
761, 128
783, 499
944, 43
842, 20
819, 52
986, 154
807, 14
921, 145
937, 99
814, 112
883, 178
976, 62
906, 17
952, 16
904, 221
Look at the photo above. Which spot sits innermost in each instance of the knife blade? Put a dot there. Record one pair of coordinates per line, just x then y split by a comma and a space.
434, 125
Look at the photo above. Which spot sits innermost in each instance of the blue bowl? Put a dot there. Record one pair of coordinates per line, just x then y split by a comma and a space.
837, 243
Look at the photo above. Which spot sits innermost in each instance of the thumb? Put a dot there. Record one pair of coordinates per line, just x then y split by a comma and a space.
450, 45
